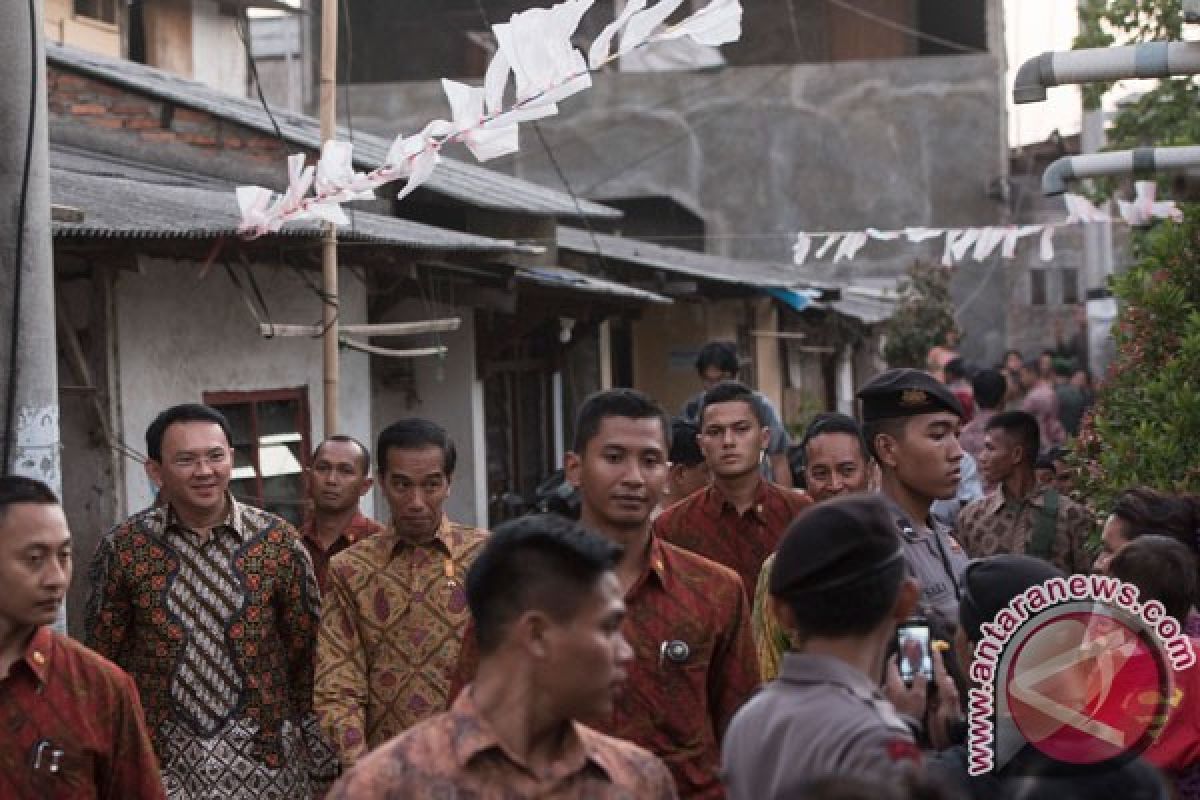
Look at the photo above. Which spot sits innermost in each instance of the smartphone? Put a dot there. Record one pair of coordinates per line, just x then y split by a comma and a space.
913, 649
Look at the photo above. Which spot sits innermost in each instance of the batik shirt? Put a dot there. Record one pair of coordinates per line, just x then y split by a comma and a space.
390, 637
693, 666
457, 754
71, 727
708, 524
360, 527
996, 524
218, 633
771, 641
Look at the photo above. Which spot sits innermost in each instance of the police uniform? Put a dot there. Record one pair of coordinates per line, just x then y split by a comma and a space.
822, 717
934, 558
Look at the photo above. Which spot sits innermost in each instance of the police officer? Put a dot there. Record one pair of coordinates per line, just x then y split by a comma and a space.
840, 585
910, 422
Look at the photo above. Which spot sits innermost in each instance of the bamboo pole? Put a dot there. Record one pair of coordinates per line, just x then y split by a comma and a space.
329, 255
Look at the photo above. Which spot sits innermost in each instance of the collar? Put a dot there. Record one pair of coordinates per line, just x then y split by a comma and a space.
997, 500
714, 503
443, 538
808, 668
39, 652
357, 529
473, 735
905, 526
234, 520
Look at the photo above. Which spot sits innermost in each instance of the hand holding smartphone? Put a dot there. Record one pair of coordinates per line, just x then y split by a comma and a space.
913, 647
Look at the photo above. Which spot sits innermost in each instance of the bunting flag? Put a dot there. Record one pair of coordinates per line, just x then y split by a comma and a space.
534, 55
981, 243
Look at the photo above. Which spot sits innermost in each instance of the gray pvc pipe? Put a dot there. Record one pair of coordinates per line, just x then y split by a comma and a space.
1147, 60
1119, 162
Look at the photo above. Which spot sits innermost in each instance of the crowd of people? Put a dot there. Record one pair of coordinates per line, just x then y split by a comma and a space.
713, 624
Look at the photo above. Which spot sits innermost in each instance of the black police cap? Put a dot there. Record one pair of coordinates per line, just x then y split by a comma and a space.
835, 543
906, 393
990, 584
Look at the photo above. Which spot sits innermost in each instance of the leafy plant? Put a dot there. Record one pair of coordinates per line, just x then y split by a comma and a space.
923, 316
1145, 427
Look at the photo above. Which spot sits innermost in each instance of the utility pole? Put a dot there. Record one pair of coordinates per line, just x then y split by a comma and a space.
28, 351
329, 254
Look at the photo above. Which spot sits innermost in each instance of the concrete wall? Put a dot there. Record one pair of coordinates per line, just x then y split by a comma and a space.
179, 335
762, 152
218, 55
445, 391
666, 340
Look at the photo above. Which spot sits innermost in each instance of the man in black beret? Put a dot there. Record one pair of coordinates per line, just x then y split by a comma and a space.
840, 583
910, 422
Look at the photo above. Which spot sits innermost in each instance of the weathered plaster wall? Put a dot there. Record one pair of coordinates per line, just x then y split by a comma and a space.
179, 335
666, 340
442, 390
761, 152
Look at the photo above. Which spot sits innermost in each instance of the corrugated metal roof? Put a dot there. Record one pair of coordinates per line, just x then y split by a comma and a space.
466, 183
116, 207
562, 278
756, 274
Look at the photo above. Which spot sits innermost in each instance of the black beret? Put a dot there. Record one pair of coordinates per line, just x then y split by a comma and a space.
834, 543
990, 584
906, 393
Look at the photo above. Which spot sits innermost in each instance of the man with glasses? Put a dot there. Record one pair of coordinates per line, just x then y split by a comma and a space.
738, 520
212, 607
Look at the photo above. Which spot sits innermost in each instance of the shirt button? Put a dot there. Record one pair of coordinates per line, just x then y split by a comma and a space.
758, 508
38, 658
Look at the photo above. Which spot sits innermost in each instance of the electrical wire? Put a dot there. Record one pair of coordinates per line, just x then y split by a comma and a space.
243, 32
10, 409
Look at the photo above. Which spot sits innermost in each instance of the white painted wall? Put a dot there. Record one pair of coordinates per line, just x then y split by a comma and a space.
445, 393
179, 335
218, 55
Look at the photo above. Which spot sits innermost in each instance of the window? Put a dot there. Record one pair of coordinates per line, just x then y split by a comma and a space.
103, 10
270, 432
1037, 287
1070, 286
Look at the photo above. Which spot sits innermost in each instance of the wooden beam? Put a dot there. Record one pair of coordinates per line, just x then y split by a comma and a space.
389, 353
379, 329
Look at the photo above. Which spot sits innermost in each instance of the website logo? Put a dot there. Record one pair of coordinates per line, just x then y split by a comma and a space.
1078, 669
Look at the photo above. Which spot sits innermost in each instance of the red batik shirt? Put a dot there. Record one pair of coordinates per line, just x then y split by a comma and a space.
693, 666
360, 527
706, 523
71, 727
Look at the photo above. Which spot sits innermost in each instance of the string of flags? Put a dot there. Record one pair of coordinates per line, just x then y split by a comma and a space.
981, 242
534, 52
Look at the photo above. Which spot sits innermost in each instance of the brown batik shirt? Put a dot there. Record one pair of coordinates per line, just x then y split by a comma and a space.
996, 524
394, 617
457, 754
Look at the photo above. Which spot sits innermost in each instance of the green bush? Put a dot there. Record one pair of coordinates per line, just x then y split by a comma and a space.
923, 316
1145, 427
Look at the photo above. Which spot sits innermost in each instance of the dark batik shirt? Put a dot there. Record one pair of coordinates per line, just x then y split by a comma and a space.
708, 524
688, 622
218, 633
457, 754
360, 527
71, 727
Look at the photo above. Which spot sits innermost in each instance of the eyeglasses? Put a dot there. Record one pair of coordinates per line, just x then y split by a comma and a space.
213, 458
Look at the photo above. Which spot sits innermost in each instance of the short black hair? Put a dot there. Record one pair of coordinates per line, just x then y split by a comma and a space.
685, 449
892, 426
1014, 352
1021, 426
415, 433
628, 403
955, 368
185, 412
722, 355
832, 422
989, 386
1148, 511
731, 392
541, 561
364, 453
1162, 569
15, 489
